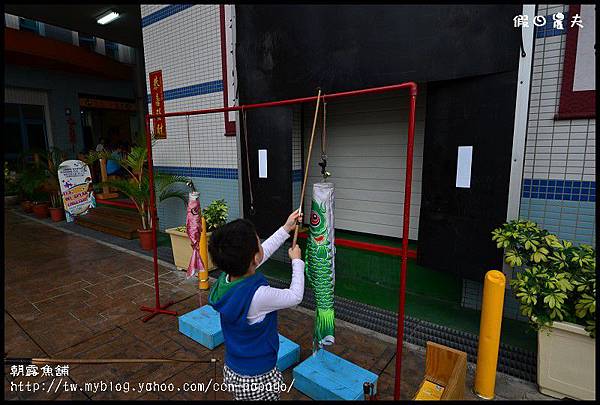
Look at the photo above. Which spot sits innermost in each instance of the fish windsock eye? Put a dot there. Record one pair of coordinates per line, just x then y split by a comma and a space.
314, 219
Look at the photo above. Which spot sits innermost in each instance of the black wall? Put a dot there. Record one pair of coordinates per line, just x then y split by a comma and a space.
269, 129
455, 224
287, 51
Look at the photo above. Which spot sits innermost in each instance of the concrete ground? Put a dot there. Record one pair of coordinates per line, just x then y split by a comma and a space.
67, 296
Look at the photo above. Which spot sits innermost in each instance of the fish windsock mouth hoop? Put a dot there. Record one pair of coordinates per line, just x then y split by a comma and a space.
320, 268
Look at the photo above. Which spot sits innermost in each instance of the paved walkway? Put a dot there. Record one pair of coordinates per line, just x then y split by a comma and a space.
70, 297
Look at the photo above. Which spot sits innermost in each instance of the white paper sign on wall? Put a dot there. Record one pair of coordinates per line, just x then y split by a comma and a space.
76, 187
463, 166
262, 163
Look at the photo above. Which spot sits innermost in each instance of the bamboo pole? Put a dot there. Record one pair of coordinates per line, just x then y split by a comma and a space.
41, 361
312, 136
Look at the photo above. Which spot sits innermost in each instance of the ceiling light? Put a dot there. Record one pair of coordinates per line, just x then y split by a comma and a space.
105, 19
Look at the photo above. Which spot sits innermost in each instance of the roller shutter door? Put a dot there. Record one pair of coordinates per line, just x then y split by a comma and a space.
366, 148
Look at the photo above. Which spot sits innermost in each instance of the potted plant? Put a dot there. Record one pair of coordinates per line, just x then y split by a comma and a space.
41, 209
215, 215
137, 186
53, 160
556, 287
30, 181
11, 186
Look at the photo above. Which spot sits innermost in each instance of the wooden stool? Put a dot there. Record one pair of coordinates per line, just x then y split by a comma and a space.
445, 374
106, 193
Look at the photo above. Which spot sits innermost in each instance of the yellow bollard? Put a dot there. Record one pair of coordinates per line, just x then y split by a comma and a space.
203, 275
489, 334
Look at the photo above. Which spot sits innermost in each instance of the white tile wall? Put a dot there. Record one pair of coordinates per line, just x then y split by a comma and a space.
186, 46
147, 9
558, 150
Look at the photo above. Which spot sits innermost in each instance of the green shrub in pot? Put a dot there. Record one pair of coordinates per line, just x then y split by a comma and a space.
215, 214
11, 181
556, 280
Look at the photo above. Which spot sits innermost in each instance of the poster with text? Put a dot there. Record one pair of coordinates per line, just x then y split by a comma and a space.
76, 188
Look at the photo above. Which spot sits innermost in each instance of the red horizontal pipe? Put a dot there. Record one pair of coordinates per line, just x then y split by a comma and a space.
370, 247
373, 90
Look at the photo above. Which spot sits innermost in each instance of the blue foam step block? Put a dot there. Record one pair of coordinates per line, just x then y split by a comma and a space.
325, 376
289, 353
202, 325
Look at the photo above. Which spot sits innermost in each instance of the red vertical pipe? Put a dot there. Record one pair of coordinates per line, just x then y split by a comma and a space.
405, 226
152, 210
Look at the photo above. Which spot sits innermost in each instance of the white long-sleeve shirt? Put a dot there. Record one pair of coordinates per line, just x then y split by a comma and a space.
268, 299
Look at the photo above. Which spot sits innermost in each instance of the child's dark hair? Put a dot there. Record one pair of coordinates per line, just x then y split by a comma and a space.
233, 246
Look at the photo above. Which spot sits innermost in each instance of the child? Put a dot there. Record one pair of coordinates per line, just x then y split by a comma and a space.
248, 306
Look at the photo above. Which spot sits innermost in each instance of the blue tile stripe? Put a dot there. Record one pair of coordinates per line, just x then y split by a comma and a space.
569, 190
548, 30
193, 90
164, 13
205, 172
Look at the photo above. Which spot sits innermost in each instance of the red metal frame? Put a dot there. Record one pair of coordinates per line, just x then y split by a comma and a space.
407, 193
158, 309
369, 247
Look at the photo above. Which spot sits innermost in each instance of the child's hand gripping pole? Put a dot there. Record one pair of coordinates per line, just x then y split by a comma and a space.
312, 136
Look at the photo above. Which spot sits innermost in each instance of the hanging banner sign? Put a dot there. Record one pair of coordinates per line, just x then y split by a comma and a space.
157, 101
88, 102
76, 187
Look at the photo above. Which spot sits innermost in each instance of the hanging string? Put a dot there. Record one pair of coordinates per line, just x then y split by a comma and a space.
324, 132
252, 210
187, 117
190, 183
323, 162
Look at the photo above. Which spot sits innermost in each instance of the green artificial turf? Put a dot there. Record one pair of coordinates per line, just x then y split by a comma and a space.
375, 239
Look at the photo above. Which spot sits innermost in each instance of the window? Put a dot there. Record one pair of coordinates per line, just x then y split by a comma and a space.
88, 42
112, 49
13, 145
24, 129
25, 24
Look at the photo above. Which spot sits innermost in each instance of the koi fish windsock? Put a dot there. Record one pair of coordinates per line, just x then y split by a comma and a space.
193, 226
320, 266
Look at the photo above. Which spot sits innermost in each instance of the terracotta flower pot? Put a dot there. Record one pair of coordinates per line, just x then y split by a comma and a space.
145, 238
41, 210
57, 214
27, 206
